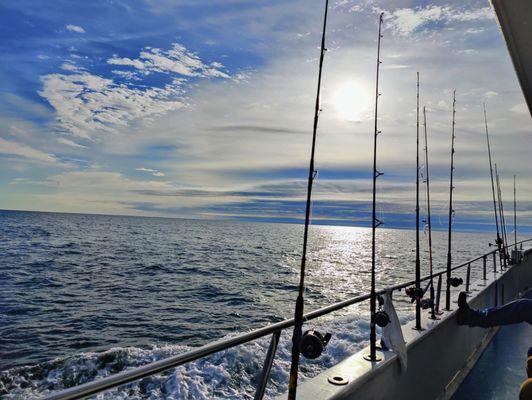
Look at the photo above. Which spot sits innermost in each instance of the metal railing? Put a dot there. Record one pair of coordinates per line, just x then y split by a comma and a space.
274, 330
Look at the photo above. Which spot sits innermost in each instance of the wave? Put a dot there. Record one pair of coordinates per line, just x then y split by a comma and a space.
230, 374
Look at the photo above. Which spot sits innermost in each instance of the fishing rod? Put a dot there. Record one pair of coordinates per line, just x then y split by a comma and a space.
501, 215
498, 240
298, 314
418, 272
503, 228
429, 225
515, 220
451, 211
503, 219
375, 221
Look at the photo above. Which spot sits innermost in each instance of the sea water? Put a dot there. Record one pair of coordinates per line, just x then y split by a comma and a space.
84, 296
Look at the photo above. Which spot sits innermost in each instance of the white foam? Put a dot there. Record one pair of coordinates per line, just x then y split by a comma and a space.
230, 374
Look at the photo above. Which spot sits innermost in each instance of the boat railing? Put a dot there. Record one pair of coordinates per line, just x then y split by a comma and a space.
275, 329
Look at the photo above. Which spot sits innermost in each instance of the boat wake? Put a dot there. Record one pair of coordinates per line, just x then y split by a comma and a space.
230, 374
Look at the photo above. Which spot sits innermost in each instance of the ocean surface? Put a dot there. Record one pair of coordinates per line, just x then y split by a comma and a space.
84, 296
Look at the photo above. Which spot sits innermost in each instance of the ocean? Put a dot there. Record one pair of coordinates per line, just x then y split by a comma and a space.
84, 296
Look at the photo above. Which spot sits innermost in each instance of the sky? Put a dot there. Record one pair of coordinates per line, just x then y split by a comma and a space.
204, 109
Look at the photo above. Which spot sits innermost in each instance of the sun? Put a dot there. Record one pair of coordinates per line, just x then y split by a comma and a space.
351, 100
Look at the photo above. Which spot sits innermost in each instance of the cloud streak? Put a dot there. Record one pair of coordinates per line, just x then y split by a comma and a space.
75, 28
154, 172
28, 153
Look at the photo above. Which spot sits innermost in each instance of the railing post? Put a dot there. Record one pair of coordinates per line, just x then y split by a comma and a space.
484, 271
438, 294
468, 277
266, 369
494, 262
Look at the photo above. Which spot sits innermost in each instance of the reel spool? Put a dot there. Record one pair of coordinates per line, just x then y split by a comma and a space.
381, 318
455, 281
313, 343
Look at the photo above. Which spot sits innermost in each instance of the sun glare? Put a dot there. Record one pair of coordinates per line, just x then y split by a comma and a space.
352, 100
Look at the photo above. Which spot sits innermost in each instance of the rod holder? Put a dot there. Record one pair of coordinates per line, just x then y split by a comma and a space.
468, 278
504, 264
432, 312
438, 296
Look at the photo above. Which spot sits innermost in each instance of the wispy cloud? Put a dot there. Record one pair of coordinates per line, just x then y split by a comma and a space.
86, 103
71, 143
27, 153
70, 67
220, 123
177, 60
474, 31
154, 172
75, 28
405, 21
520, 108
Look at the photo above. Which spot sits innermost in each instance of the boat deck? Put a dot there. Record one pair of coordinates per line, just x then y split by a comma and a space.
501, 368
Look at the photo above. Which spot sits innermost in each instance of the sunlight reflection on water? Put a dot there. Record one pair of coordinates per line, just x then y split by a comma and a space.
150, 287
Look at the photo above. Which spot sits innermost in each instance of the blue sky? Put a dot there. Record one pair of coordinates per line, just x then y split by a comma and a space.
204, 109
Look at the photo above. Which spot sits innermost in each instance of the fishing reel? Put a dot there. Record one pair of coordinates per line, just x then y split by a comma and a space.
456, 281
497, 242
313, 343
414, 293
425, 304
381, 317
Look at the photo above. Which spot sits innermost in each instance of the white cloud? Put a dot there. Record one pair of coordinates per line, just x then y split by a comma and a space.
177, 60
520, 108
95, 191
126, 61
129, 75
75, 28
154, 172
26, 152
474, 31
234, 130
86, 103
395, 66
468, 51
70, 67
71, 143
100, 191
490, 94
405, 21
485, 13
